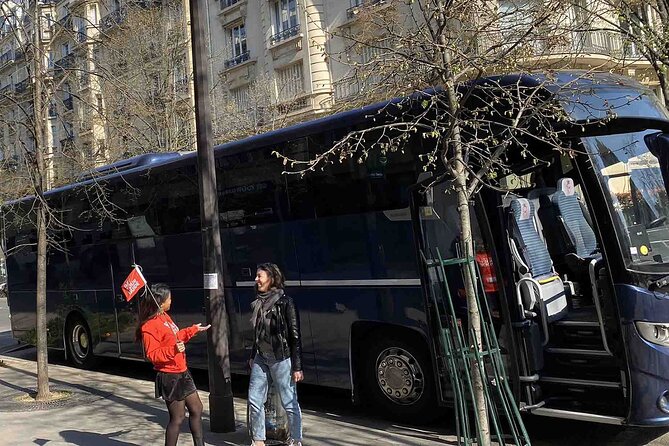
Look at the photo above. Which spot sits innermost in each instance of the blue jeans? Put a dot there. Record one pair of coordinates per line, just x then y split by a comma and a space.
279, 372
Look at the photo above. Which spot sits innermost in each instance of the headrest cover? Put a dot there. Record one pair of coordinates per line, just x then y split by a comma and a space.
525, 209
566, 185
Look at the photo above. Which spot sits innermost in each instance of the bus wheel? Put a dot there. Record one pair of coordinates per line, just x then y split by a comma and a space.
399, 380
79, 343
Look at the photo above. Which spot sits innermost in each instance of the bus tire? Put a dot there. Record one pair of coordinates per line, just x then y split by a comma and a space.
79, 343
399, 379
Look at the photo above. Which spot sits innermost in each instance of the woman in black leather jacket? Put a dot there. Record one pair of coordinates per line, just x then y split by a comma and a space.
277, 352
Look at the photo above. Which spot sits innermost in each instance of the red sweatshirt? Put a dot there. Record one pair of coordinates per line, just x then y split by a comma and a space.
160, 337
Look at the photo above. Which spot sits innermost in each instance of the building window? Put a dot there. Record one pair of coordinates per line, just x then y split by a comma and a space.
285, 19
237, 38
240, 98
289, 82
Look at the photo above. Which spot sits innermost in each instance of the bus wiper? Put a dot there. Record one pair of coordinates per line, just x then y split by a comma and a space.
657, 284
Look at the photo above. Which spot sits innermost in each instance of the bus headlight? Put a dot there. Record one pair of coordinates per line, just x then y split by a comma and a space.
655, 332
663, 403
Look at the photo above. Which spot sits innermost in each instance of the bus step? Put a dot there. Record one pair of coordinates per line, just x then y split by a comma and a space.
576, 351
568, 323
575, 415
581, 382
585, 316
577, 336
603, 368
595, 400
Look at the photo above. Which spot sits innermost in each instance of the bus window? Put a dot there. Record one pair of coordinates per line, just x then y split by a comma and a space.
254, 189
631, 176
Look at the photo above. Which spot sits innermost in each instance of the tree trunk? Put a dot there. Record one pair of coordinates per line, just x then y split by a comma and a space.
43, 392
460, 177
661, 71
39, 182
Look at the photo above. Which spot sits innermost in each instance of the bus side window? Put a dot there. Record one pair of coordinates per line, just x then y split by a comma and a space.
254, 189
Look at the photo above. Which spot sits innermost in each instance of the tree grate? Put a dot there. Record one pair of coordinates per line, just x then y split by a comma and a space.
14, 399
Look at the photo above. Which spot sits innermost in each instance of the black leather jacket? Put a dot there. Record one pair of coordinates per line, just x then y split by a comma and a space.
285, 333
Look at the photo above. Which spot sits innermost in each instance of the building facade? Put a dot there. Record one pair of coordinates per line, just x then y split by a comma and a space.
300, 47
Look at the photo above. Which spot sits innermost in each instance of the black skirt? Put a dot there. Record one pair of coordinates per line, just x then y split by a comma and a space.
174, 386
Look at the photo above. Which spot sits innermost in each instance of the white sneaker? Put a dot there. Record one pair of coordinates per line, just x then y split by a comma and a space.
294, 443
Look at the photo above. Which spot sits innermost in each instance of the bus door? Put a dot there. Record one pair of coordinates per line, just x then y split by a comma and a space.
121, 259
256, 227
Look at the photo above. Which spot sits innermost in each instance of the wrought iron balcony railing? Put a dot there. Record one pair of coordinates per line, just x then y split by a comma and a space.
237, 60
22, 86
285, 34
357, 4
112, 19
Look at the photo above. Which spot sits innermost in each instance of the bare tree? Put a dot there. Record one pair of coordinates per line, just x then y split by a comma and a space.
43, 91
142, 67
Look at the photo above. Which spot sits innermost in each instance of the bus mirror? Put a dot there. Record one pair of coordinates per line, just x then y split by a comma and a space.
658, 144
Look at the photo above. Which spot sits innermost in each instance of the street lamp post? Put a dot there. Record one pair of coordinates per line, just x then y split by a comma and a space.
221, 407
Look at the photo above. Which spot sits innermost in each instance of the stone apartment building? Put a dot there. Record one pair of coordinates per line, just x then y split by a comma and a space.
292, 43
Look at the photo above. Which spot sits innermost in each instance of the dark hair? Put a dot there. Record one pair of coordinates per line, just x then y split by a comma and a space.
148, 307
274, 274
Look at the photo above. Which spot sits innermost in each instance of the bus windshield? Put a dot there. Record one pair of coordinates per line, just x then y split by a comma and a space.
632, 177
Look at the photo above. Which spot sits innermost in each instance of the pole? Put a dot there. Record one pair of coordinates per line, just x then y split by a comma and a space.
222, 418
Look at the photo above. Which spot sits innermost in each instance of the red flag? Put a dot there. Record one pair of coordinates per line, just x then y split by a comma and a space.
133, 283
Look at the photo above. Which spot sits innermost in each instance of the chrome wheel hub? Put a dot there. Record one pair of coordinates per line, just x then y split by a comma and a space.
80, 341
399, 376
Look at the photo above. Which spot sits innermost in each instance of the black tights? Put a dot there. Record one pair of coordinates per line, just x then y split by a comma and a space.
177, 410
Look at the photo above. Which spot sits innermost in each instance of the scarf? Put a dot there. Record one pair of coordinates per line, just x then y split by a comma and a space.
263, 303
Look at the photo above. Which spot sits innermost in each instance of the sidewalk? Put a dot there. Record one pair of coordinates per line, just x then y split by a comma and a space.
119, 411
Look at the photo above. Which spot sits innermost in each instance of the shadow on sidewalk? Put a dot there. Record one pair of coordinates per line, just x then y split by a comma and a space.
91, 438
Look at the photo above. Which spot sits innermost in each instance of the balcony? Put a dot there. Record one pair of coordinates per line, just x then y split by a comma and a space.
65, 22
346, 88
22, 86
6, 58
285, 34
356, 5
64, 63
294, 105
237, 60
113, 19
603, 43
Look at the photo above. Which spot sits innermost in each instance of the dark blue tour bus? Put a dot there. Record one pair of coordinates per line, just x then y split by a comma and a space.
574, 259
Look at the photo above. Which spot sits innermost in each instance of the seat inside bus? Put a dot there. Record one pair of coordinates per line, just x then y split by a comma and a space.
567, 230
539, 288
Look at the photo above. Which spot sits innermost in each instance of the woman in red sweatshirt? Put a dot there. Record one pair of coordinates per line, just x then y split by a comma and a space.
164, 346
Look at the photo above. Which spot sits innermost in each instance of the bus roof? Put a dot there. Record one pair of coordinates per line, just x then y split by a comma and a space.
553, 83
